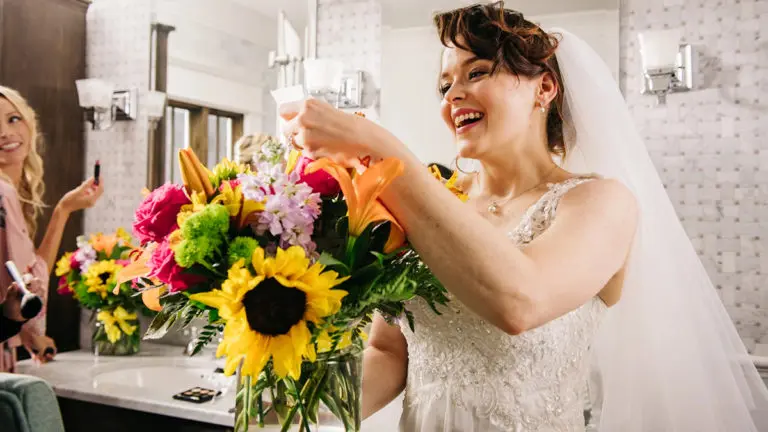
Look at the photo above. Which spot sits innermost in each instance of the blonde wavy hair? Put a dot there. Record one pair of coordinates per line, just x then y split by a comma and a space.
248, 146
31, 187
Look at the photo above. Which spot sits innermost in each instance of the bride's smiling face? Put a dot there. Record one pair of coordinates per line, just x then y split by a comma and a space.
485, 110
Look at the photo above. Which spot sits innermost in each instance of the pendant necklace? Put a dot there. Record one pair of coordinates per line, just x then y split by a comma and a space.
495, 206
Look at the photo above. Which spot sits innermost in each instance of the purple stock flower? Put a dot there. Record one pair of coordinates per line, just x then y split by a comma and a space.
290, 207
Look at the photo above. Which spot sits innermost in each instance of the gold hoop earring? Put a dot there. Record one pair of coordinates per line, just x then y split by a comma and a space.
458, 167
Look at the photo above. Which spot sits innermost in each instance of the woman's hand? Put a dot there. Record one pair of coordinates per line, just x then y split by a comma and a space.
40, 347
11, 307
324, 131
82, 197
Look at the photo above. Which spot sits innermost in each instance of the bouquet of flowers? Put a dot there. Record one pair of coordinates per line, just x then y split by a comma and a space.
89, 274
288, 261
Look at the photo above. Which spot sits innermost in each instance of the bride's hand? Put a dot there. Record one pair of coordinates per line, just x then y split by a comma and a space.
321, 130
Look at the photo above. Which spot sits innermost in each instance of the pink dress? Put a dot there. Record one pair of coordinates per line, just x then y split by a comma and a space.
16, 245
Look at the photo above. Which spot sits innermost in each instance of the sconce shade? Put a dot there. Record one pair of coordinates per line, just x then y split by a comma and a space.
154, 103
323, 75
95, 93
659, 48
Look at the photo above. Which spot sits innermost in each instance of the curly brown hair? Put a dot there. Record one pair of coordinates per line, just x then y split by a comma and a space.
513, 44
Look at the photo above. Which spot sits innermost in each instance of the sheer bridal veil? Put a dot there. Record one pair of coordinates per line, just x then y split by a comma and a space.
667, 357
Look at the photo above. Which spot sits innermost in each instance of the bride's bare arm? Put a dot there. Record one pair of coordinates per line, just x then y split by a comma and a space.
384, 366
513, 289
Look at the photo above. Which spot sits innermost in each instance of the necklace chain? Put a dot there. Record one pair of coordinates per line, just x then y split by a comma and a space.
495, 205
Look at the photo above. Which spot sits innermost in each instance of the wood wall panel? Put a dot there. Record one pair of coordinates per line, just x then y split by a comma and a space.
42, 53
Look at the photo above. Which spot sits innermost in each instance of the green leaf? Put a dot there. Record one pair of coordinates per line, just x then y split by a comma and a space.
208, 333
213, 316
328, 260
411, 320
161, 324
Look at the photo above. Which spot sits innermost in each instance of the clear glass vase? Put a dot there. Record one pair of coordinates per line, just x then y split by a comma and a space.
125, 345
326, 398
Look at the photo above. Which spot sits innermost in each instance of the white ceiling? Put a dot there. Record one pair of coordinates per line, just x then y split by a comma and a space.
295, 10
416, 13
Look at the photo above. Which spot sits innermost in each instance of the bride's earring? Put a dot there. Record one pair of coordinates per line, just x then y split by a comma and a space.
542, 108
458, 167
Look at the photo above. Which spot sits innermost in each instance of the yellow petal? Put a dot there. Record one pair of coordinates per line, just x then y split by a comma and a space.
215, 299
293, 158
257, 260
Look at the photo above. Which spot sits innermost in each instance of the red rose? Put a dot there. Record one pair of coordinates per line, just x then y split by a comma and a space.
320, 181
164, 268
156, 216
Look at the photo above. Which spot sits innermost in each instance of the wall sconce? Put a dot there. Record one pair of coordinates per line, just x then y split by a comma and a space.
325, 79
103, 104
667, 65
154, 104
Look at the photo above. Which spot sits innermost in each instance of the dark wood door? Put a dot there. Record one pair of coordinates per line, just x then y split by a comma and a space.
42, 53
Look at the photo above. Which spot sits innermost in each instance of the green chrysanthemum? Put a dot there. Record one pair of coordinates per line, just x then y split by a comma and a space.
241, 248
227, 170
203, 235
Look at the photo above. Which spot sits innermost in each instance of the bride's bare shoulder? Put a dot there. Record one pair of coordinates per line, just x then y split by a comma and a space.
603, 198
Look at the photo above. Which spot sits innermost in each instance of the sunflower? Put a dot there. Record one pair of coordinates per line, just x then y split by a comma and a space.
267, 310
101, 277
64, 264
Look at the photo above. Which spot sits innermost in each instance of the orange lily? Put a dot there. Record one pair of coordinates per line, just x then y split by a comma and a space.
195, 176
151, 298
361, 191
104, 243
139, 268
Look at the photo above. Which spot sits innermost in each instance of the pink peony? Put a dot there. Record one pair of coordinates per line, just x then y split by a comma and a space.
164, 268
156, 216
320, 181
64, 288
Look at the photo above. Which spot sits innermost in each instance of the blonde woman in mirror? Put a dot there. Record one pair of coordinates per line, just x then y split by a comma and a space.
21, 203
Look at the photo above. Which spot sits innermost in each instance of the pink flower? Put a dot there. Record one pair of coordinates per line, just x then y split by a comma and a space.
64, 288
232, 183
320, 181
164, 268
156, 216
74, 264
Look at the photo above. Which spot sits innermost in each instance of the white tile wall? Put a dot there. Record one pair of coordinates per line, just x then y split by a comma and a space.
710, 145
350, 31
117, 50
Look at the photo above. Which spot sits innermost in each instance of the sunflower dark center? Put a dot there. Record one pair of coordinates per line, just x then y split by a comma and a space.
104, 277
272, 309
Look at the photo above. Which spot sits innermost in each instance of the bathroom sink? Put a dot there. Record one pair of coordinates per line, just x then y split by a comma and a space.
161, 375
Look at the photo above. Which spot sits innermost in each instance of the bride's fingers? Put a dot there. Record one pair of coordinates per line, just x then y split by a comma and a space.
289, 110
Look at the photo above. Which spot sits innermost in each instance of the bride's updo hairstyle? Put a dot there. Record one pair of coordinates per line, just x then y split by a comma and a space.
514, 44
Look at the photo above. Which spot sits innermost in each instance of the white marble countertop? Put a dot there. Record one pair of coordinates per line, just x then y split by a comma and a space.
143, 382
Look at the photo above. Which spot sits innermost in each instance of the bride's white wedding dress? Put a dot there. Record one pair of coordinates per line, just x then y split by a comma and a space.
666, 357
465, 375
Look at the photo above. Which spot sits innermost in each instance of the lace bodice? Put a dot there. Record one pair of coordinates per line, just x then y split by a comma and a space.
467, 375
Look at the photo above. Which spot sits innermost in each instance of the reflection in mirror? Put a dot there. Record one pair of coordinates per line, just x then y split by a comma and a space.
222, 62
411, 53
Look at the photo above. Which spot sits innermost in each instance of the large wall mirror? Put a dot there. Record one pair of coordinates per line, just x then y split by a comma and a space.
411, 54
222, 61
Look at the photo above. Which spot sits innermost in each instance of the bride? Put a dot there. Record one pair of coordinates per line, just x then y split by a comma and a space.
569, 272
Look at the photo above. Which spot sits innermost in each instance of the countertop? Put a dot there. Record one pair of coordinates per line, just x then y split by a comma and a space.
143, 382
